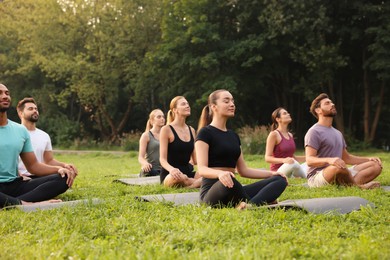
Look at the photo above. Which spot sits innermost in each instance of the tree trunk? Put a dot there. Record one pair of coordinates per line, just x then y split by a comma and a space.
377, 112
366, 117
125, 117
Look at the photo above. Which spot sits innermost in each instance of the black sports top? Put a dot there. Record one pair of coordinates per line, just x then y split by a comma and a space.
179, 155
224, 151
224, 146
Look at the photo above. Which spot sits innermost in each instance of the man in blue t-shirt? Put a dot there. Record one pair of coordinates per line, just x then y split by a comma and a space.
327, 155
14, 142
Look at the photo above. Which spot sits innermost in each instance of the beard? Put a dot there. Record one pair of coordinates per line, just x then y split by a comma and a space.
33, 118
330, 113
3, 109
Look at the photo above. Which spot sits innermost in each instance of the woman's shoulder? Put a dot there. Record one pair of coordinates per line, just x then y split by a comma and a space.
145, 135
192, 129
165, 128
274, 134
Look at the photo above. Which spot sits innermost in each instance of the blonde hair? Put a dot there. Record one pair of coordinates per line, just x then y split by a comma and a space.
172, 105
207, 114
152, 114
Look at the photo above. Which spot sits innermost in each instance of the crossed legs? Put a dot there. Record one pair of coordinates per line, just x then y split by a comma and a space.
365, 174
34, 190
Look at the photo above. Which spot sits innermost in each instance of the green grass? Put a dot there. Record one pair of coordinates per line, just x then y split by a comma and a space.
124, 228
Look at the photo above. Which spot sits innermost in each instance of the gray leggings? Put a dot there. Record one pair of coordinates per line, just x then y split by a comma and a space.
258, 193
34, 190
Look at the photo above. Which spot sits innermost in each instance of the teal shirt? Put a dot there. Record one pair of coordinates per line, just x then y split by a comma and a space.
14, 140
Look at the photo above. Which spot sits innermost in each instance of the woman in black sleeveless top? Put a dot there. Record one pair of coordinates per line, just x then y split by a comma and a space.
219, 156
177, 147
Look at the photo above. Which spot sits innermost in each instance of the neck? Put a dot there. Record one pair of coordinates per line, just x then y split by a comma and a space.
325, 121
29, 125
219, 122
3, 118
282, 128
179, 121
155, 129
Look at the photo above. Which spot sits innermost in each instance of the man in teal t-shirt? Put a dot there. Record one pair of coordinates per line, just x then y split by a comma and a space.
15, 142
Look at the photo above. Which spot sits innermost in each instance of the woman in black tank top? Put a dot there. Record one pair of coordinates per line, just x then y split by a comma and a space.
177, 147
219, 156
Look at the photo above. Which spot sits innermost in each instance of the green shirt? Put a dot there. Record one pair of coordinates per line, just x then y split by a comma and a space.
14, 140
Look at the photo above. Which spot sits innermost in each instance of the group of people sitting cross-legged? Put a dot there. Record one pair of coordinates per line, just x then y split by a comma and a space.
218, 156
20, 146
30, 174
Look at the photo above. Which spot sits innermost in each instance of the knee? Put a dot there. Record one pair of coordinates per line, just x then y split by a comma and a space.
376, 168
169, 181
281, 180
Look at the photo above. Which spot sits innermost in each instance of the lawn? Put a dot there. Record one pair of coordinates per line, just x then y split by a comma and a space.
123, 228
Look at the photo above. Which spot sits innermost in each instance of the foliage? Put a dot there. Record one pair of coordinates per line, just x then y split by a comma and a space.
121, 227
130, 141
105, 64
253, 139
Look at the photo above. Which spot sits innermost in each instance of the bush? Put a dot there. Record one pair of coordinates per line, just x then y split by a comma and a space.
354, 144
62, 131
130, 141
253, 139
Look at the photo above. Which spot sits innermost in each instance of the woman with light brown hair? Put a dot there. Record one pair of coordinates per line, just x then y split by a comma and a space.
177, 147
219, 155
149, 145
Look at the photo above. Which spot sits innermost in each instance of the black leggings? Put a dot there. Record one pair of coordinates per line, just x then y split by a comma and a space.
259, 193
34, 190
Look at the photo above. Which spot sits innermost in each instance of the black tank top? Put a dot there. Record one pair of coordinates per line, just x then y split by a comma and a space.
179, 155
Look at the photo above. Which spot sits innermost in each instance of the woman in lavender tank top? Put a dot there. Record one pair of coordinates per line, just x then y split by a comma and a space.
281, 147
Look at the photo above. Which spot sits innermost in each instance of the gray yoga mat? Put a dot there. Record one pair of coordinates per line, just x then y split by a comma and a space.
338, 205
140, 181
176, 198
386, 188
36, 207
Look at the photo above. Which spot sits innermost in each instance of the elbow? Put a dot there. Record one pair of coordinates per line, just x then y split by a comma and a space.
202, 170
268, 158
309, 162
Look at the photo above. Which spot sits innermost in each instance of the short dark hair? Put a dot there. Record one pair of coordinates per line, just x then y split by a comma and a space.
22, 103
316, 103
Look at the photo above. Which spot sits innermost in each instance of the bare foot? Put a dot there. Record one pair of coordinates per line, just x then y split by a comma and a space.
370, 185
273, 202
243, 206
41, 202
196, 183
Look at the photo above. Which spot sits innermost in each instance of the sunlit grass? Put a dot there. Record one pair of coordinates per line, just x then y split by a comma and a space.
122, 227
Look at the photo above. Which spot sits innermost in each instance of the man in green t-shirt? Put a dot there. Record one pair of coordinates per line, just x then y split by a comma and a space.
14, 142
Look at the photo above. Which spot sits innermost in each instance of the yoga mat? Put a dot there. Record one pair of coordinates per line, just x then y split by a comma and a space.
140, 180
36, 207
386, 188
130, 175
176, 198
338, 205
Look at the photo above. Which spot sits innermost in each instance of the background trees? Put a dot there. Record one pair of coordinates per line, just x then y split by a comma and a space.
98, 67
